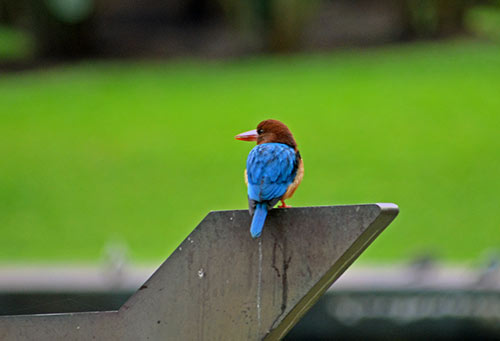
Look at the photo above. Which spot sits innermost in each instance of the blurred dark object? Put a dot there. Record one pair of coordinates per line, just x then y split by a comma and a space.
421, 301
61, 29
224, 28
435, 18
402, 315
22, 303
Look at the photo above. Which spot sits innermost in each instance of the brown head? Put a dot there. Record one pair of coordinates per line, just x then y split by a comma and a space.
269, 131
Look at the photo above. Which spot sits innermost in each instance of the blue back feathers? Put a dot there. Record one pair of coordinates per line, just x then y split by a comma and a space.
271, 168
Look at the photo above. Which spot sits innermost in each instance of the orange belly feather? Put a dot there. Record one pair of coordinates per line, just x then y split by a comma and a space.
296, 182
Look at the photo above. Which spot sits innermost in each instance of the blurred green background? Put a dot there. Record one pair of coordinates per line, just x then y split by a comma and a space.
137, 151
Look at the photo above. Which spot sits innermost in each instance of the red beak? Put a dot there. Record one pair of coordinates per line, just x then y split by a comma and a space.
247, 136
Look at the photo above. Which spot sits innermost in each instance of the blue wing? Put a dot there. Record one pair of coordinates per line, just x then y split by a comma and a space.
271, 168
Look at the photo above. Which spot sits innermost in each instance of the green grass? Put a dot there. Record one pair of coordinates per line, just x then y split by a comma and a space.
140, 152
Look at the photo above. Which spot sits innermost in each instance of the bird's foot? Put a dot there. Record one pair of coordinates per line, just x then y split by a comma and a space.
283, 205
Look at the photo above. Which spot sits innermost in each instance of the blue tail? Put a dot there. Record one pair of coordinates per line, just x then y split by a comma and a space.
259, 217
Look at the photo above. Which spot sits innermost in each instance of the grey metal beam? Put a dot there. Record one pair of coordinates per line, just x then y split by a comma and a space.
220, 284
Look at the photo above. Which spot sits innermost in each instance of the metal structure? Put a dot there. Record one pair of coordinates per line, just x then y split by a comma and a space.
222, 284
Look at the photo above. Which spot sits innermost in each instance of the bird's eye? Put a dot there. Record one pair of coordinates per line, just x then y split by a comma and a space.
260, 131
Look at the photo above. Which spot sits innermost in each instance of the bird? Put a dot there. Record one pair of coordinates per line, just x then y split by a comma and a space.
274, 170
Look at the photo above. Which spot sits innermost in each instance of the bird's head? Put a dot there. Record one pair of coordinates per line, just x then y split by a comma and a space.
269, 131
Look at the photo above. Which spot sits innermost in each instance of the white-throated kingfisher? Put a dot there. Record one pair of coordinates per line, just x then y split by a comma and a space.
274, 170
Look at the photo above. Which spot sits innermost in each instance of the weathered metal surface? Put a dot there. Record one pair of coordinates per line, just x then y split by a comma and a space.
220, 284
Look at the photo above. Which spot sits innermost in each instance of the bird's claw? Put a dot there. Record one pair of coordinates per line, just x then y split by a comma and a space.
283, 205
